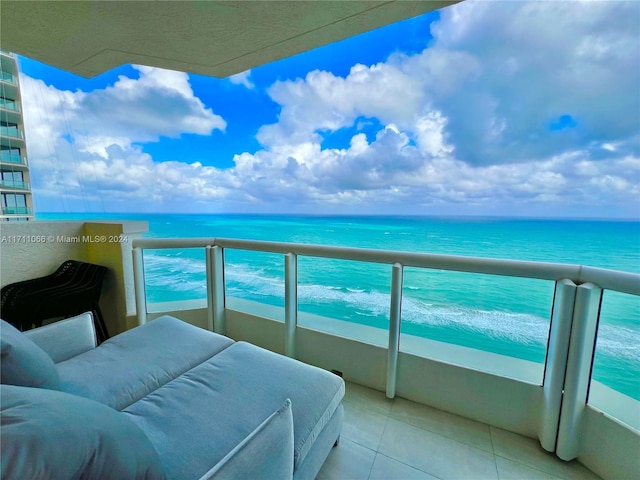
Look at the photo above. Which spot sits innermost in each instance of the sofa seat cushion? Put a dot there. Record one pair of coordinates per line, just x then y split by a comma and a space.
48, 434
228, 396
24, 363
128, 366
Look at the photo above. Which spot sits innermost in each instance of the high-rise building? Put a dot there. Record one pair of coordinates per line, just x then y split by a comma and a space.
15, 188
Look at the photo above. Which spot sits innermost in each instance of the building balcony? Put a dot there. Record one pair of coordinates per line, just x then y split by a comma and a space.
9, 105
12, 137
11, 185
13, 159
13, 132
415, 407
17, 211
9, 78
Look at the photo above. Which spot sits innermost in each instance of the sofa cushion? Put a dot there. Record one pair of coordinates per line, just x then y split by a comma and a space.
128, 366
24, 363
48, 434
66, 338
271, 442
228, 396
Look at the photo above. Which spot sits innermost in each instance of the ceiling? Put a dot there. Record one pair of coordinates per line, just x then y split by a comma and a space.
215, 38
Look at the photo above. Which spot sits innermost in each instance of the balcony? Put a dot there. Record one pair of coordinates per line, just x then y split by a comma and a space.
13, 132
415, 407
13, 158
9, 105
553, 398
17, 211
9, 78
12, 185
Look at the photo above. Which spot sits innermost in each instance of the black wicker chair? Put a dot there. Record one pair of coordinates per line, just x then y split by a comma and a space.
72, 289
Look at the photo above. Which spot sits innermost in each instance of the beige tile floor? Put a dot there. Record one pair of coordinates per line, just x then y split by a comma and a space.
397, 439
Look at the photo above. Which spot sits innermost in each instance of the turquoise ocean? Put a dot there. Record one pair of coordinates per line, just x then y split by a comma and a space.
509, 316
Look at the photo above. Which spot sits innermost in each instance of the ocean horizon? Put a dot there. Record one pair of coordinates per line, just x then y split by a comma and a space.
504, 315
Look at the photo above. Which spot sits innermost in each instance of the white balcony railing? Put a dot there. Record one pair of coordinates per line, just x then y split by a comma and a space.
574, 318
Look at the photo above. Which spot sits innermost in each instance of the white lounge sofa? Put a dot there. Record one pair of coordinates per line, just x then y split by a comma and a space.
163, 400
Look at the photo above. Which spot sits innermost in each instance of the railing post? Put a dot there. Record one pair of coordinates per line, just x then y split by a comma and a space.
216, 318
290, 303
139, 286
579, 362
556, 364
395, 317
208, 252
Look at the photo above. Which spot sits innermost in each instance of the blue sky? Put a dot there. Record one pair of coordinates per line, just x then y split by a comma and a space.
482, 108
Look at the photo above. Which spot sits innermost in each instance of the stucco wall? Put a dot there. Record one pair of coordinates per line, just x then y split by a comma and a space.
34, 249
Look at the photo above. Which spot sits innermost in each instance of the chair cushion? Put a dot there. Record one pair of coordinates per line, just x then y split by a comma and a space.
228, 396
48, 434
271, 443
24, 363
128, 366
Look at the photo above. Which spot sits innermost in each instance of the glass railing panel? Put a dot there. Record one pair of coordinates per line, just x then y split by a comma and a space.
257, 277
16, 185
12, 158
615, 385
8, 78
347, 298
491, 318
175, 275
11, 132
9, 105
16, 211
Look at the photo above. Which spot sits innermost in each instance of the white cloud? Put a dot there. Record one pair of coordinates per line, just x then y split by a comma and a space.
465, 126
158, 103
242, 78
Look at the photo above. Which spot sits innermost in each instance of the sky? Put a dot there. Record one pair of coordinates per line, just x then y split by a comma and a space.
500, 108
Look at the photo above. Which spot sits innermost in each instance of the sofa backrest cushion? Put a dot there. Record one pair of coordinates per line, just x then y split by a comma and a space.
24, 363
66, 338
265, 454
52, 434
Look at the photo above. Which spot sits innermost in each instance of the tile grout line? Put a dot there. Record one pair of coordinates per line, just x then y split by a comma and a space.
410, 466
380, 439
393, 401
493, 451
546, 472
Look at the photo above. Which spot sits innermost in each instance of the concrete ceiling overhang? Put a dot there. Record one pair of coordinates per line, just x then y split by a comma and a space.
213, 38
